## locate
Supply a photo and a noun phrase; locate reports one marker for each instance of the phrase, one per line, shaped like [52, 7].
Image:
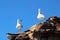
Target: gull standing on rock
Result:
[19, 26]
[40, 15]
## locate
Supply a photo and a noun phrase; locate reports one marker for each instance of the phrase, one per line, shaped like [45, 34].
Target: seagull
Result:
[40, 16]
[19, 26]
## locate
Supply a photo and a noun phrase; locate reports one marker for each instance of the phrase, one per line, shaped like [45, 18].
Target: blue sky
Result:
[26, 10]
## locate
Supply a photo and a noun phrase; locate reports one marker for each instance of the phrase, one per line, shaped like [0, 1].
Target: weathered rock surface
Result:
[49, 30]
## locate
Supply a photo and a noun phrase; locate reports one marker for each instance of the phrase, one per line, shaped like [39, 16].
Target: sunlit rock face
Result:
[48, 30]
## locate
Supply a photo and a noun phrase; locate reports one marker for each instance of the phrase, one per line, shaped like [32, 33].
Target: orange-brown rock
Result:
[48, 30]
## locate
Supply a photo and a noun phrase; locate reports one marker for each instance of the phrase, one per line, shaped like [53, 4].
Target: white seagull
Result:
[40, 16]
[18, 26]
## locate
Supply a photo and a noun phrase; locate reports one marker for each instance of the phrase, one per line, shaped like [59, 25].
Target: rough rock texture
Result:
[48, 30]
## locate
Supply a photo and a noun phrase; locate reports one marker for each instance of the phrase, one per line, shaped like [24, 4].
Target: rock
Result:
[42, 31]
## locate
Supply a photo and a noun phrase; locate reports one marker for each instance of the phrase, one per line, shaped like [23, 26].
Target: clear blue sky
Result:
[26, 10]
